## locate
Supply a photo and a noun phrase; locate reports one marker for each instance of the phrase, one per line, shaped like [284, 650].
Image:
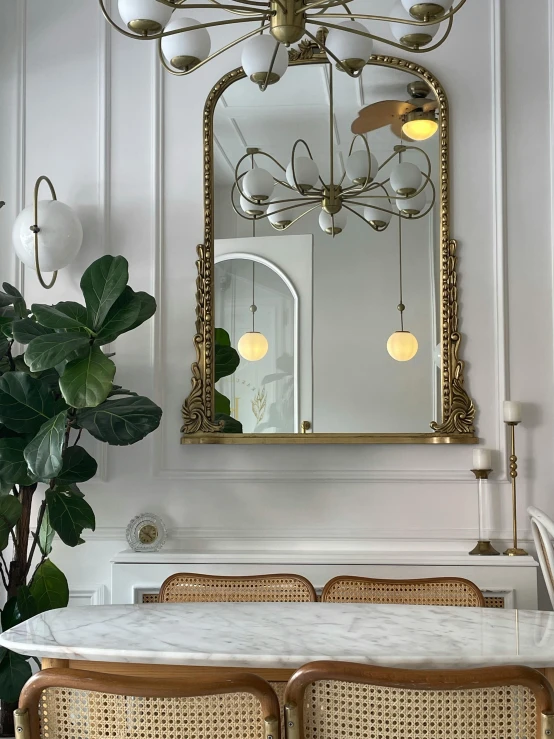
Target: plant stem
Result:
[9, 356]
[18, 566]
[41, 513]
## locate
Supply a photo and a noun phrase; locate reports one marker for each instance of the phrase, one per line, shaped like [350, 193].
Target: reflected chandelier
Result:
[302, 179]
[184, 44]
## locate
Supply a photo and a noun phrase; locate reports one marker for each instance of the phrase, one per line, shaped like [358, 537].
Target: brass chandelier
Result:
[184, 44]
[404, 194]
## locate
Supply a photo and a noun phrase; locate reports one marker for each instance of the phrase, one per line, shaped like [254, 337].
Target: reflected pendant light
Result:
[402, 345]
[253, 345]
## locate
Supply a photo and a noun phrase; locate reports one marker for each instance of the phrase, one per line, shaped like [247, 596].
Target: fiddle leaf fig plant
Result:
[227, 360]
[59, 386]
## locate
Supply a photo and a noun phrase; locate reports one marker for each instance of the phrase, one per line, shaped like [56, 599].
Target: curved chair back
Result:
[543, 532]
[325, 700]
[433, 591]
[76, 704]
[188, 587]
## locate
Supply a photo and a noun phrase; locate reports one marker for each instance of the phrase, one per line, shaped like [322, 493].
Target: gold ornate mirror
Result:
[327, 307]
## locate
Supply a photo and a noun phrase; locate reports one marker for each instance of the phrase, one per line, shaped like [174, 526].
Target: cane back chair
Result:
[188, 587]
[543, 533]
[76, 704]
[330, 700]
[433, 591]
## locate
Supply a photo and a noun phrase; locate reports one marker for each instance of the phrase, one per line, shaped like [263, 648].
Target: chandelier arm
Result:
[301, 141]
[242, 11]
[185, 4]
[352, 210]
[367, 181]
[384, 18]
[305, 213]
[264, 85]
[325, 50]
[208, 58]
[380, 39]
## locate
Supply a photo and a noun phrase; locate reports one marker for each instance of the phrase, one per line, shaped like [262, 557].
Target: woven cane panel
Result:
[150, 598]
[341, 710]
[494, 601]
[66, 713]
[407, 593]
[196, 589]
[279, 688]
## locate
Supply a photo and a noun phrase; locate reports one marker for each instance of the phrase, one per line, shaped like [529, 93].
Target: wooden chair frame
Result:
[484, 677]
[429, 580]
[543, 531]
[236, 578]
[27, 722]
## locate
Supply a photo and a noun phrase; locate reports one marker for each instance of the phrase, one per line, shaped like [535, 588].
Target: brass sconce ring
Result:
[36, 229]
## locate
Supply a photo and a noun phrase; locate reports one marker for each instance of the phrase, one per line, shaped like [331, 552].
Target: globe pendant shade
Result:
[185, 50]
[59, 239]
[258, 184]
[412, 206]
[144, 15]
[420, 129]
[377, 218]
[359, 169]
[332, 225]
[411, 35]
[281, 220]
[405, 179]
[253, 346]
[256, 59]
[435, 8]
[402, 346]
[306, 172]
[251, 209]
[348, 47]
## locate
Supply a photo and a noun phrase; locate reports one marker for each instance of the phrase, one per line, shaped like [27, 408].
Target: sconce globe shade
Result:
[252, 346]
[405, 179]
[258, 184]
[280, 220]
[402, 346]
[408, 35]
[412, 206]
[59, 239]
[420, 129]
[350, 47]
[306, 172]
[256, 57]
[251, 209]
[332, 225]
[377, 218]
[431, 7]
[359, 170]
[185, 50]
[136, 13]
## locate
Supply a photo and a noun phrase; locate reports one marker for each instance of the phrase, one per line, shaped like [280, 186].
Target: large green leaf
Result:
[25, 402]
[51, 317]
[222, 403]
[26, 603]
[86, 381]
[102, 284]
[74, 310]
[147, 309]
[49, 587]
[44, 452]
[121, 316]
[45, 352]
[45, 535]
[10, 511]
[15, 670]
[28, 329]
[227, 360]
[222, 337]
[13, 467]
[69, 515]
[121, 422]
[10, 614]
[5, 300]
[19, 304]
[230, 425]
[78, 465]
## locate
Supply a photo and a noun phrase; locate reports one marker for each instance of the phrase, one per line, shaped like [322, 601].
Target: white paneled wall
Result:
[123, 145]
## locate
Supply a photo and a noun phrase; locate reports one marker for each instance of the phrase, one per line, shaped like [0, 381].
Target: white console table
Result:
[509, 582]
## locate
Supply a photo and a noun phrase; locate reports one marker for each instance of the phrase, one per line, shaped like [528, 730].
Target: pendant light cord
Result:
[401, 304]
[253, 308]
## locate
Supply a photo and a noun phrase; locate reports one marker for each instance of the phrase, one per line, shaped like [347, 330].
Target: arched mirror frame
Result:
[458, 410]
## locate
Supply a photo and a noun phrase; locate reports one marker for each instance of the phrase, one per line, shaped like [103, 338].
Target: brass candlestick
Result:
[483, 548]
[514, 551]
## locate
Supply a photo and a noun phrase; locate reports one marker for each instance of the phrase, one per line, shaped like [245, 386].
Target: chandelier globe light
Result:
[412, 206]
[264, 60]
[378, 218]
[351, 48]
[302, 173]
[361, 168]
[258, 184]
[402, 346]
[250, 208]
[279, 219]
[332, 224]
[184, 44]
[406, 179]
[186, 50]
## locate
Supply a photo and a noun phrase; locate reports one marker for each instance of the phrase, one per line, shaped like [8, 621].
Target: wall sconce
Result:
[47, 235]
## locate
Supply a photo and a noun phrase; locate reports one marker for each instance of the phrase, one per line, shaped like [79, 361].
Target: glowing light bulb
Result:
[402, 346]
[253, 346]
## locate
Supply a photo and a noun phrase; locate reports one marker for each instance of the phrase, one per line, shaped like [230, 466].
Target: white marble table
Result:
[276, 638]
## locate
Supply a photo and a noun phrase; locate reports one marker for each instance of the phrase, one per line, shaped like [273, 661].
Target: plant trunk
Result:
[17, 577]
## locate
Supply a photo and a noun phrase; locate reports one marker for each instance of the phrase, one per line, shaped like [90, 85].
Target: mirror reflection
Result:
[327, 253]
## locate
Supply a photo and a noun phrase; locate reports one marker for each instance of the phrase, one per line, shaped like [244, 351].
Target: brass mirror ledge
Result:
[458, 408]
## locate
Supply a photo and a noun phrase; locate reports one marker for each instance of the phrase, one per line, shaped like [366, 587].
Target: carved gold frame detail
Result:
[458, 410]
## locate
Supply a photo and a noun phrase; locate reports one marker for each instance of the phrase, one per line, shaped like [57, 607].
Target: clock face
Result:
[146, 533]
